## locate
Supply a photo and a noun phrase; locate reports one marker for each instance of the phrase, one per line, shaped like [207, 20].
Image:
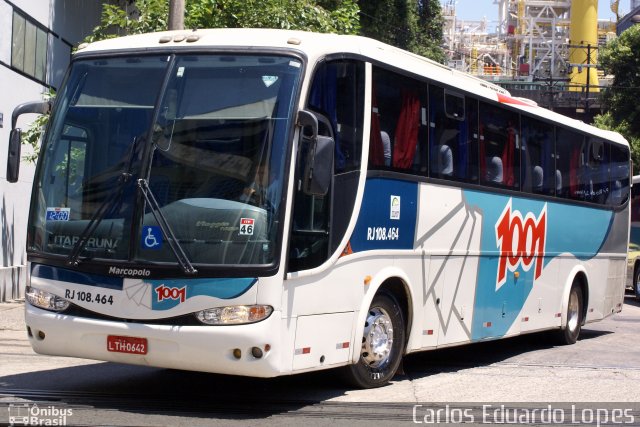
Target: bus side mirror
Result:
[13, 156]
[318, 166]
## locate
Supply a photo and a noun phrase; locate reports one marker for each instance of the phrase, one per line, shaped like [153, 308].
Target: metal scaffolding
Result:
[529, 42]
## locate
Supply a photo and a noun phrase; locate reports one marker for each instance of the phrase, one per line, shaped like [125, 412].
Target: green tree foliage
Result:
[31, 137]
[386, 20]
[342, 18]
[414, 25]
[620, 58]
[428, 40]
[143, 16]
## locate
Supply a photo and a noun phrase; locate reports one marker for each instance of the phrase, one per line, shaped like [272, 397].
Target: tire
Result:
[382, 344]
[636, 283]
[569, 334]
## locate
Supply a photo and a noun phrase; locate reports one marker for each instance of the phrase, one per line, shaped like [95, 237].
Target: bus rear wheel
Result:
[382, 344]
[569, 334]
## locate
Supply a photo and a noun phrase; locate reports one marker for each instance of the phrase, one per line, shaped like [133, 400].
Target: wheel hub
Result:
[572, 312]
[377, 340]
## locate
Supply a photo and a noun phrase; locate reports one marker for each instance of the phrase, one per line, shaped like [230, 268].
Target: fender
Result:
[371, 290]
[567, 289]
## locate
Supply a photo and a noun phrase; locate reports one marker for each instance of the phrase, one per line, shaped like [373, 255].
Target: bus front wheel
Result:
[569, 334]
[382, 344]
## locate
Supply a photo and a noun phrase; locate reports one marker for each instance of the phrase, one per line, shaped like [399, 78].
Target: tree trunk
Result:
[176, 14]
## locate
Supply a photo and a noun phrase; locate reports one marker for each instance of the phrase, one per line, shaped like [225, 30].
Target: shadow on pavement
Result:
[140, 389]
[484, 353]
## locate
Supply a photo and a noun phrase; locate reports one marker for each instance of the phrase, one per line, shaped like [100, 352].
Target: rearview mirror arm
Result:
[37, 107]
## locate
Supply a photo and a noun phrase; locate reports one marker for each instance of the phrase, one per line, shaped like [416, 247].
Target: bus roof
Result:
[317, 45]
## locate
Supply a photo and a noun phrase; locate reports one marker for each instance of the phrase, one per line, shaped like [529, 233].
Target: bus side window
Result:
[597, 170]
[398, 111]
[538, 163]
[453, 134]
[569, 162]
[499, 146]
[619, 176]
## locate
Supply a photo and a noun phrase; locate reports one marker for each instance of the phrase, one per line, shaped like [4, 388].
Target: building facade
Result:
[36, 41]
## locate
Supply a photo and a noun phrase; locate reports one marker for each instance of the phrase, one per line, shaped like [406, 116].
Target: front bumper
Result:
[195, 348]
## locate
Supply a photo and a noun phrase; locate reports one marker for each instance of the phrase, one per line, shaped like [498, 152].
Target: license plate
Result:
[131, 345]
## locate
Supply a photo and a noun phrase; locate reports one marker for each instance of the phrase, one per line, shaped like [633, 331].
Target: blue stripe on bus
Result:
[71, 276]
[382, 225]
[223, 288]
[569, 229]
[580, 231]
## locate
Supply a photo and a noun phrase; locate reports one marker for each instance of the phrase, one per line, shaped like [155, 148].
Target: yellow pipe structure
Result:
[474, 60]
[583, 39]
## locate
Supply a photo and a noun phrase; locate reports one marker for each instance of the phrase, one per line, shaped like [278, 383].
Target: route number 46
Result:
[246, 226]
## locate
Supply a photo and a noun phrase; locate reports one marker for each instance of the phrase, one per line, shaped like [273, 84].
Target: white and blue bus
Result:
[266, 202]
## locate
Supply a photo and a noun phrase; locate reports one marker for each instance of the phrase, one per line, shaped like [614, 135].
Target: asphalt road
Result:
[599, 373]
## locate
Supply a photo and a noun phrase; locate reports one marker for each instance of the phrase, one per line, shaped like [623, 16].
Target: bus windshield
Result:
[207, 134]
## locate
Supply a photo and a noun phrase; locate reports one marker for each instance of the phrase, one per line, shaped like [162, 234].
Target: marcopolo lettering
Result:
[135, 272]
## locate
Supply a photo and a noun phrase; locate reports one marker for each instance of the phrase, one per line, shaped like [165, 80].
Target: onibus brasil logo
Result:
[521, 242]
[25, 414]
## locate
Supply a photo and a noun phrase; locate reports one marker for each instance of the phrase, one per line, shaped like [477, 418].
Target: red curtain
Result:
[406, 138]
[508, 176]
[376, 151]
[574, 166]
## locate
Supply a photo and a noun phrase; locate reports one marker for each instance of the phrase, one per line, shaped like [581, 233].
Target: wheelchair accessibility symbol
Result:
[151, 237]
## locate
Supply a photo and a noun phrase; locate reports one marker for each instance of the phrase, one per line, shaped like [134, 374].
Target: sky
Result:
[477, 9]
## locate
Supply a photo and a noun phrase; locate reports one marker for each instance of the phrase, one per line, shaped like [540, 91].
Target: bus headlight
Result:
[234, 315]
[46, 300]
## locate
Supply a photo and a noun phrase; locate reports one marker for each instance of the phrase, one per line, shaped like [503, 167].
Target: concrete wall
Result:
[68, 21]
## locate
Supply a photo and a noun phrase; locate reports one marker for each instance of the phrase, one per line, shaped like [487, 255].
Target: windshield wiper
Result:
[106, 207]
[175, 246]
